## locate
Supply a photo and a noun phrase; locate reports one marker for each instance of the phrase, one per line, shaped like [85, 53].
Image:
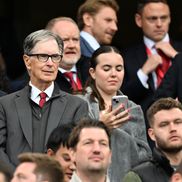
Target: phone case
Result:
[118, 100]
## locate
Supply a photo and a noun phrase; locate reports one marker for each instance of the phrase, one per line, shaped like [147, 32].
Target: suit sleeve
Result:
[3, 139]
[82, 110]
[171, 82]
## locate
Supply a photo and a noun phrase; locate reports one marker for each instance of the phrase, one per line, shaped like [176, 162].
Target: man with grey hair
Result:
[28, 116]
[73, 69]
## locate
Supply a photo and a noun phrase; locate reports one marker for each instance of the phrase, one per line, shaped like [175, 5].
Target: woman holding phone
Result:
[128, 142]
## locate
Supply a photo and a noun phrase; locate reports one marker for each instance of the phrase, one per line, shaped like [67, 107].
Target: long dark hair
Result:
[93, 63]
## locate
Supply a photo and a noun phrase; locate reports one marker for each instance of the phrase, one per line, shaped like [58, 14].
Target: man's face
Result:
[24, 173]
[176, 177]
[166, 130]
[70, 35]
[65, 158]
[92, 151]
[154, 21]
[42, 73]
[103, 25]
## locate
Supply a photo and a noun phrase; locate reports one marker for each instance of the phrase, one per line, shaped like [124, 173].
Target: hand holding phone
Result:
[118, 100]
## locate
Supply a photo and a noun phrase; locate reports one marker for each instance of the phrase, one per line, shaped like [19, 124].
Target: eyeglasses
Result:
[56, 58]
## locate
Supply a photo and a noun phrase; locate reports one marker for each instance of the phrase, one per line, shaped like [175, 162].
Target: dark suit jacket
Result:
[171, 85]
[134, 58]
[82, 71]
[86, 49]
[16, 120]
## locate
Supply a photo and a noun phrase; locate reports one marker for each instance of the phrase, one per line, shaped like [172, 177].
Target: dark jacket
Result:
[171, 85]
[158, 169]
[82, 71]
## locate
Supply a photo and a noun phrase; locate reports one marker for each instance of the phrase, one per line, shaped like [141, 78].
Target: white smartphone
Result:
[118, 100]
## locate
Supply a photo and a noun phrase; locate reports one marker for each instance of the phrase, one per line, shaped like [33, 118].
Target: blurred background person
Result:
[73, 69]
[146, 63]
[97, 20]
[177, 176]
[58, 147]
[5, 173]
[36, 167]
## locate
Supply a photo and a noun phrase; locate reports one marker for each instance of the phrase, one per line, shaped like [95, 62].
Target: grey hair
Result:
[41, 35]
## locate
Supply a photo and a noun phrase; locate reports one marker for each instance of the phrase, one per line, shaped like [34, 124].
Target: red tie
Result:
[162, 68]
[75, 85]
[42, 101]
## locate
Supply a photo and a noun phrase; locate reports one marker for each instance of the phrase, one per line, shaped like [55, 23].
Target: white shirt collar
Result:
[150, 43]
[73, 69]
[90, 39]
[34, 95]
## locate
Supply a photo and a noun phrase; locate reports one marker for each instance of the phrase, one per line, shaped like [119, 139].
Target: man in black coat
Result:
[171, 85]
[165, 118]
[143, 60]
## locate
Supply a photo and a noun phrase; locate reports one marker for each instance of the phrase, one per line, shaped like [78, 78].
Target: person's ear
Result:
[50, 152]
[151, 134]
[138, 20]
[88, 19]
[92, 73]
[27, 61]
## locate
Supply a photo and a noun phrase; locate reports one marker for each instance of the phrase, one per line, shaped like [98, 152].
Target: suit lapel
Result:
[87, 46]
[56, 112]
[25, 114]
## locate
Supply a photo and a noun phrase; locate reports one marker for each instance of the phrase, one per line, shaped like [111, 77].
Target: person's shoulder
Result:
[131, 177]
[10, 95]
[2, 93]
[73, 98]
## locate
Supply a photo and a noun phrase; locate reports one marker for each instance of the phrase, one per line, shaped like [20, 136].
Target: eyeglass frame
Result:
[48, 56]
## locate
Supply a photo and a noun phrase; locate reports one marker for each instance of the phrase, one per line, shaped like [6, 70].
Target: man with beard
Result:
[91, 145]
[73, 69]
[165, 119]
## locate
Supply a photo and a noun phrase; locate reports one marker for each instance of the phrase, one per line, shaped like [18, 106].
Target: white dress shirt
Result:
[34, 95]
[151, 46]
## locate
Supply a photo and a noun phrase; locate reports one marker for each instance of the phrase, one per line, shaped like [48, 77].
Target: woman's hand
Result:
[114, 118]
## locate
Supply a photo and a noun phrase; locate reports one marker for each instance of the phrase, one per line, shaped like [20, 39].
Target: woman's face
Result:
[109, 72]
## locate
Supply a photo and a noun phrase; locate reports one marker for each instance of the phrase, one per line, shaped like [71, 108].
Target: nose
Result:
[113, 72]
[96, 147]
[159, 22]
[72, 166]
[173, 126]
[49, 61]
[70, 43]
[113, 26]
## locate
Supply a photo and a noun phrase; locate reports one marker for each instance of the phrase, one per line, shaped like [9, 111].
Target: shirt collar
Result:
[90, 39]
[150, 43]
[73, 69]
[35, 91]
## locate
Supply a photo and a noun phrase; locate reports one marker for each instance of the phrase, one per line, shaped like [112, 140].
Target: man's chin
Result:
[71, 60]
